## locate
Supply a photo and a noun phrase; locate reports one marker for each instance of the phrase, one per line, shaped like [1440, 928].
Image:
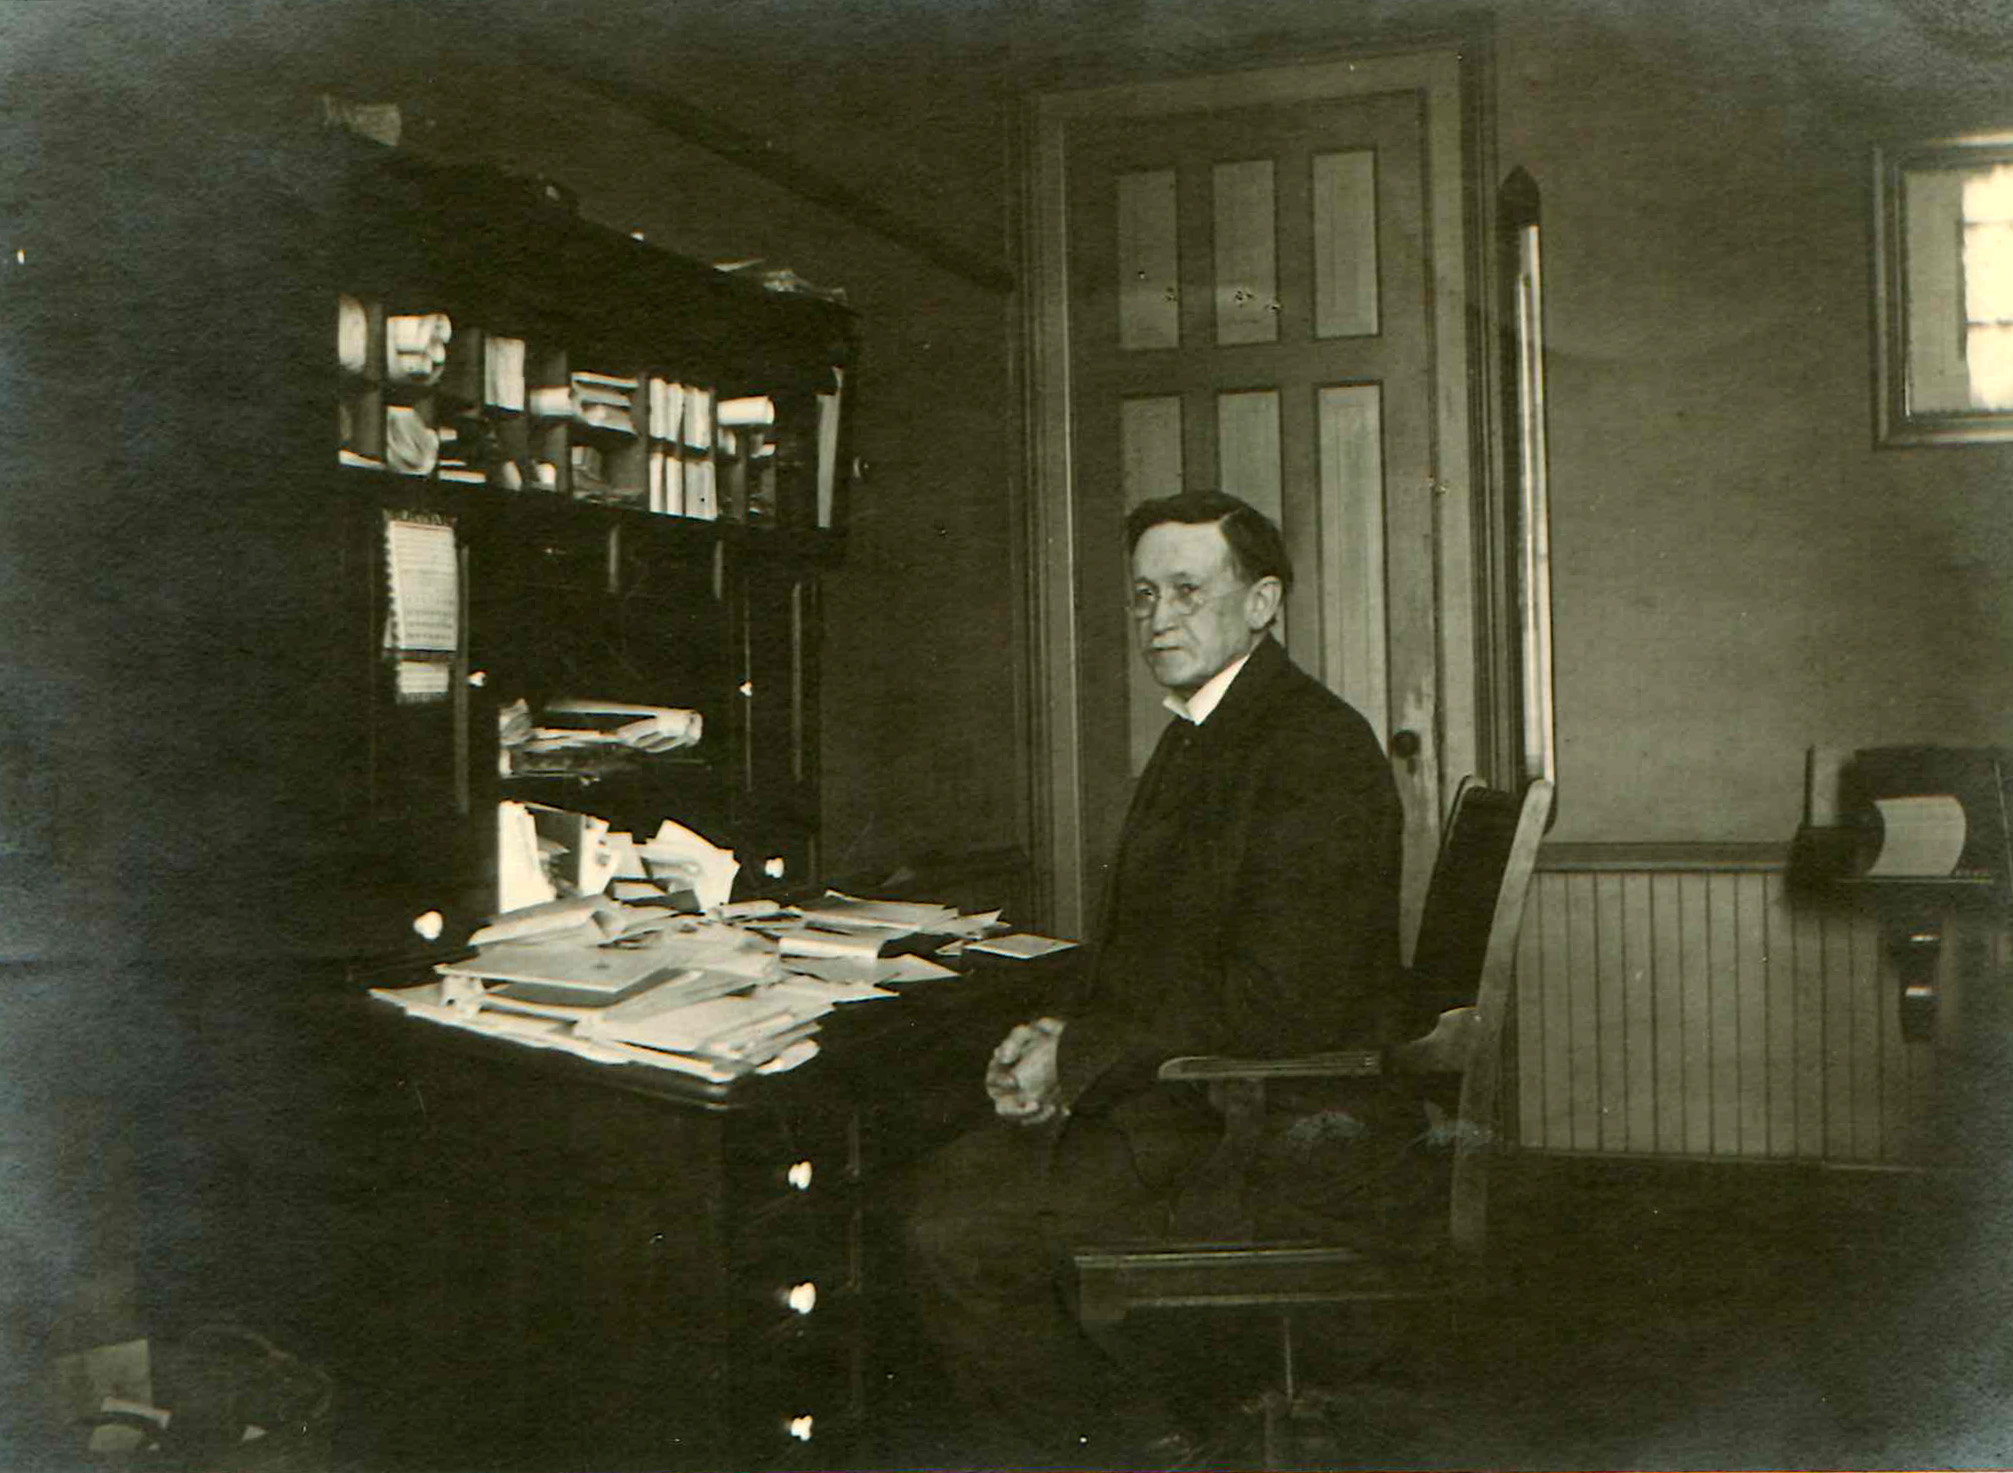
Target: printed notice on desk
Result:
[1022, 946]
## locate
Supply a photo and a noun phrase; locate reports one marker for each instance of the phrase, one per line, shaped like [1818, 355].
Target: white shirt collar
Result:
[1210, 695]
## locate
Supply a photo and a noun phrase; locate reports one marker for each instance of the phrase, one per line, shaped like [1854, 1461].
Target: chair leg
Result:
[1278, 1402]
[1274, 1407]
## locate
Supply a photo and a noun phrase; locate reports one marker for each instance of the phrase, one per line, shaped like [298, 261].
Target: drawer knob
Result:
[802, 1298]
[799, 1176]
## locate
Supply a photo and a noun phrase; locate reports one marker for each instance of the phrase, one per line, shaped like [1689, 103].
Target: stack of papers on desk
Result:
[616, 724]
[588, 969]
[877, 971]
[427, 1002]
[900, 916]
[718, 996]
[746, 1028]
[806, 938]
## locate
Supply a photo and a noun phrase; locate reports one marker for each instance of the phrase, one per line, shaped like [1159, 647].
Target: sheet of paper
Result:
[969, 927]
[750, 910]
[689, 941]
[842, 969]
[1021, 945]
[503, 372]
[422, 682]
[811, 941]
[828, 445]
[549, 917]
[425, 577]
[709, 870]
[833, 991]
[633, 1018]
[801, 1051]
[521, 882]
[915, 969]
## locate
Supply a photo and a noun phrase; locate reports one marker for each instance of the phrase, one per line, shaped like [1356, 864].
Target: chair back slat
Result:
[1461, 898]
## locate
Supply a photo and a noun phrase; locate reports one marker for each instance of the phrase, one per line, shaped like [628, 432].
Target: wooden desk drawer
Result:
[795, 1269]
[778, 1155]
[799, 1401]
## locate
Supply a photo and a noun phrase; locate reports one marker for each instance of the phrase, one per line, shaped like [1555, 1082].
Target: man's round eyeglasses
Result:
[1183, 600]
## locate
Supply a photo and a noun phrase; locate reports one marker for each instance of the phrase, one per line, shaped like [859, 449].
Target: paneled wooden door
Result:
[1251, 274]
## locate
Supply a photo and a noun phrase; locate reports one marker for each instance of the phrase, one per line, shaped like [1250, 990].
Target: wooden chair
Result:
[1466, 950]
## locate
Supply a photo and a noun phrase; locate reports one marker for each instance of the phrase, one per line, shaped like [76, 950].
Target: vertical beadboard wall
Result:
[1681, 1003]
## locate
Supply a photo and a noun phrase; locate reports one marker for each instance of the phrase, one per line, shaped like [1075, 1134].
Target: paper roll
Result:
[1919, 837]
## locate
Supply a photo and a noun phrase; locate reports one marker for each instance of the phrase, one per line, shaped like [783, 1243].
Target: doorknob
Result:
[1405, 744]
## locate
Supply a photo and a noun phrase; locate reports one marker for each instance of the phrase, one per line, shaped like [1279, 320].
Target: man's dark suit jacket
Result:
[1253, 904]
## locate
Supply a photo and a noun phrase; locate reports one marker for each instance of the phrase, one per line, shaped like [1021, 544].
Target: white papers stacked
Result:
[568, 963]
[415, 347]
[616, 723]
[666, 405]
[904, 916]
[603, 400]
[735, 991]
[426, 1002]
[801, 939]
[748, 1027]
[503, 372]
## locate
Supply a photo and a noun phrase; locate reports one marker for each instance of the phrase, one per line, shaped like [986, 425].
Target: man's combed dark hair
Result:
[1256, 548]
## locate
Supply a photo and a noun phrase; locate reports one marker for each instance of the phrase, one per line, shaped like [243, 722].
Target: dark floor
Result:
[1658, 1316]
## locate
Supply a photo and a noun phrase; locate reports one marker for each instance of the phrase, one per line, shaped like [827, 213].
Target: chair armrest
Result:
[1443, 1051]
[1347, 1064]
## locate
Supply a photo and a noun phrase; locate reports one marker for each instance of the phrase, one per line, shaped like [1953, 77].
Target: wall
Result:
[1738, 574]
[1695, 1006]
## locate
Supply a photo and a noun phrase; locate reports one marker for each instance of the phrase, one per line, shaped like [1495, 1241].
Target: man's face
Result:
[1191, 613]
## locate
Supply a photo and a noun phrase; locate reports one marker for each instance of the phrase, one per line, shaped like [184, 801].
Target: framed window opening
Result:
[1943, 291]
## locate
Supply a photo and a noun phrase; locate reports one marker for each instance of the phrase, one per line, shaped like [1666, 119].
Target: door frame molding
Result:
[1454, 79]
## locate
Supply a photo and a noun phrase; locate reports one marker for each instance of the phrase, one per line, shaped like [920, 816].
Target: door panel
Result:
[1249, 308]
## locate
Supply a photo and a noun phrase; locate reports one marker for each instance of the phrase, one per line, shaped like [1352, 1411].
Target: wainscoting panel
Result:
[1682, 1005]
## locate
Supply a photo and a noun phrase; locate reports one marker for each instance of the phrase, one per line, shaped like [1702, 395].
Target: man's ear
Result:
[1261, 604]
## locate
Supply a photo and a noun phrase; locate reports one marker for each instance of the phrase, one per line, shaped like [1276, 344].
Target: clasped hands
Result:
[1022, 1077]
